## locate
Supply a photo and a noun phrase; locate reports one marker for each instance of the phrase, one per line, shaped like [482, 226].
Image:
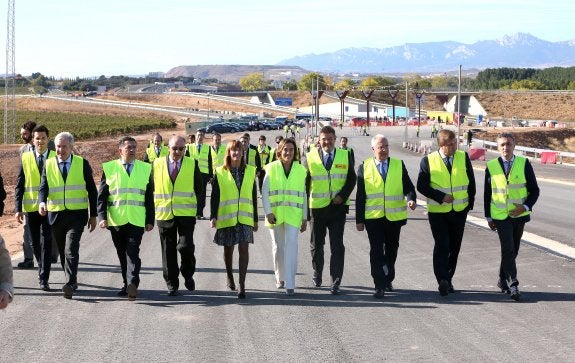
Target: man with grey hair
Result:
[67, 192]
[381, 208]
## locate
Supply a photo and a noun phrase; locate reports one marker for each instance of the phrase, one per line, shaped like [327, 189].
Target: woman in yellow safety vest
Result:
[285, 205]
[234, 210]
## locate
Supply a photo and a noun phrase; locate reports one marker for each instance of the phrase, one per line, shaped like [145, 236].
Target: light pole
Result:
[342, 96]
[418, 94]
[393, 92]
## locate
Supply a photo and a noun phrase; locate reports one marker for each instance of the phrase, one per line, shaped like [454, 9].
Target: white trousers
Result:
[284, 252]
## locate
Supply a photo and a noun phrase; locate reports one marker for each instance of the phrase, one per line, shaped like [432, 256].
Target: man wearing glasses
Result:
[126, 209]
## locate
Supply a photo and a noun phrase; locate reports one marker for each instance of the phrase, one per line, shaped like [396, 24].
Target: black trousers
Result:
[510, 232]
[384, 242]
[127, 240]
[67, 232]
[447, 230]
[171, 245]
[330, 218]
[201, 199]
[40, 233]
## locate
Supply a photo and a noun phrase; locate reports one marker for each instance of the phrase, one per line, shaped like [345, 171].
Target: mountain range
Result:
[520, 50]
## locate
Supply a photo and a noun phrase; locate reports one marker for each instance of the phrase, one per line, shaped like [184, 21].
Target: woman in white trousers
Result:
[285, 206]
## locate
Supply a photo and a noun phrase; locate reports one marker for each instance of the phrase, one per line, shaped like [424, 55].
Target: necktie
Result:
[40, 162]
[174, 173]
[382, 170]
[507, 165]
[328, 161]
[127, 166]
[448, 163]
[157, 153]
[64, 170]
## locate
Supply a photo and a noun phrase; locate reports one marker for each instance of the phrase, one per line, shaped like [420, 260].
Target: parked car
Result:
[270, 125]
[221, 128]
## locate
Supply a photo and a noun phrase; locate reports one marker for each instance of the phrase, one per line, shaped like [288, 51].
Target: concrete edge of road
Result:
[546, 244]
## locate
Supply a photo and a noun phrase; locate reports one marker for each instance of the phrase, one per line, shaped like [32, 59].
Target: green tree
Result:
[527, 84]
[290, 85]
[305, 82]
[571, 86]
[252, 82]
[345, 84]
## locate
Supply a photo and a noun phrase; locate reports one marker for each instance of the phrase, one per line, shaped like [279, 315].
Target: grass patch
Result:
[87, 126]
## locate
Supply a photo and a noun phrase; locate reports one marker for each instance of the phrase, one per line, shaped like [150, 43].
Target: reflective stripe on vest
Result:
[384, 198]
[71, 194]
[31, 180]
[287, 194]
[174, 199]
[126, 202]
[236, 206]
[455, 183]
[325, 185]
[507, 191]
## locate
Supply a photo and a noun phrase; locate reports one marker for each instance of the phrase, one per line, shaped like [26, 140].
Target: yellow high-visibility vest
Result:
[287, 195]
[265, 155]
[218, 156]
[201, 156]
[236, 206]
[31, 180]
[506, 191]
[151, 152]
[384, 198]
[455, 183]
[127, 192]
[72, 194]
[174, 199]
[326, 184]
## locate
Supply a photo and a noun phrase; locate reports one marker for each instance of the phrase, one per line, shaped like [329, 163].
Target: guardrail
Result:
[527, 151]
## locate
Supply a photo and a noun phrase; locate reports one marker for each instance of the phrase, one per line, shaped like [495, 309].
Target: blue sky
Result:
[69, 38]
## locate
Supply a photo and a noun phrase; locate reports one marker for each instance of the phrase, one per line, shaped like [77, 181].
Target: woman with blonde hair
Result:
[285, 205]
[234, 210]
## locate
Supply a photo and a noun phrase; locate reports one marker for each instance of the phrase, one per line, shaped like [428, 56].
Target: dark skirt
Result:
[231, 236]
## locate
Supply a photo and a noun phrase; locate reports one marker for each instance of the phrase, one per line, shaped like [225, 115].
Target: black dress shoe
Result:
[443, 287]
[241, 295]
[123, 292]
[379, 294]
[132, 291]
[231, 284]
[54, 259]
[44, 286]
[450, 289]
[334, 289]
[173, 293]
[190, 284]
[503, 286]
[26, 264]
[389, 287]
[68, 291]
[316, 281]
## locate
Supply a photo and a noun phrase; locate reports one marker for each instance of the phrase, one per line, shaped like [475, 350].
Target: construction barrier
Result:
[548, 157]
[477, 154]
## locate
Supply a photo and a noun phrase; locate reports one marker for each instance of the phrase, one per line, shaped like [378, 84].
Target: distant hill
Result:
[520, 50]
[233, 73]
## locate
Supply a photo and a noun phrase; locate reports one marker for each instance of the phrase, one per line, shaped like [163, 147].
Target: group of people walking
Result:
[57, 193]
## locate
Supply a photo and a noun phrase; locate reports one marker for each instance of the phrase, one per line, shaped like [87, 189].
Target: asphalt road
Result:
[413, 323]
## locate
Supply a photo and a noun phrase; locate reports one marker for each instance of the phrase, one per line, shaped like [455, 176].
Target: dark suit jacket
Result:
[408, 191]
[104, 193]
[2, 196]
[210, 166]
[532, 190]
[81, 214]
[424, 183]
[350, 179]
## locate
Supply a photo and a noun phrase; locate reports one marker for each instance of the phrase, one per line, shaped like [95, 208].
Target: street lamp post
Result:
[393, 92]
[342, 96]
[418, 95]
